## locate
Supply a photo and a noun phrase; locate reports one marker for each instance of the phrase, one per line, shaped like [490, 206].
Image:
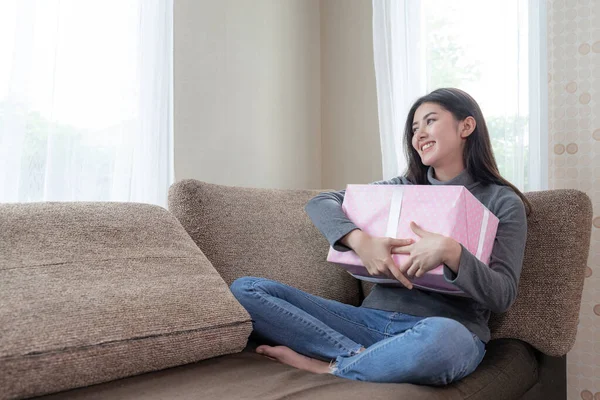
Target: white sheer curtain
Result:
[86, 100]
[494, 50]
[396, 47]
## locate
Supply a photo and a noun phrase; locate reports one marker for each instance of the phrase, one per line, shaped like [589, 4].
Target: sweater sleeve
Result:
[495, 286]
[325, 211]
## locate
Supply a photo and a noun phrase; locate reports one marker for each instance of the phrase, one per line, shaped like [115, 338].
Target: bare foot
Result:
[288, 356]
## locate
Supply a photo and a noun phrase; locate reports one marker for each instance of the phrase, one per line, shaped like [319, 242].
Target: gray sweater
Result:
[491, 288]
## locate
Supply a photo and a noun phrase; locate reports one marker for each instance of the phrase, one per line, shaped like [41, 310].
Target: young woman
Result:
[401, 334]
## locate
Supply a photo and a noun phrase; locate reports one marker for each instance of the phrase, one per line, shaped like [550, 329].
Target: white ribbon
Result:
[482, 231]
[394, 216]
[394, 219]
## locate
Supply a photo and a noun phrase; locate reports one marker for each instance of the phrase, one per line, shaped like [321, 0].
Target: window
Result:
[491, 49]
[85, 100]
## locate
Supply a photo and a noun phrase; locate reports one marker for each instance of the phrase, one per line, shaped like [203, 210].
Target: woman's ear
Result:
[467, 127]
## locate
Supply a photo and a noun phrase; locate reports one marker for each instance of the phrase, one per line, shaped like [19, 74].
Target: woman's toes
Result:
[265, 351]
[261, 349]
[288, 356]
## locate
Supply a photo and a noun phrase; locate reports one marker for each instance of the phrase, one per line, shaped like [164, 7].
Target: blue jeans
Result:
[400, 348]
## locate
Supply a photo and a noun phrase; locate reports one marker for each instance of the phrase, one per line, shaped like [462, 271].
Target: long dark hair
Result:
[478, 156]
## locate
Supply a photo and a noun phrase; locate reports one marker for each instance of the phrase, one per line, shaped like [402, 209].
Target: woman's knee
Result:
[454, 348]
[446, 336]
[247, 285]
[242, 286]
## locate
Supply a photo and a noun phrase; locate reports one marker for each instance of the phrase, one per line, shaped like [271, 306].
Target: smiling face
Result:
[440, 139]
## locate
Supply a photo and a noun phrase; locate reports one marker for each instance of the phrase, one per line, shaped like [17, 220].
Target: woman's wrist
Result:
[353, 239]
[452, 253]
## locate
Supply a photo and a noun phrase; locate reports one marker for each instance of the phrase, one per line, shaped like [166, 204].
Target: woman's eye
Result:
[430, 120]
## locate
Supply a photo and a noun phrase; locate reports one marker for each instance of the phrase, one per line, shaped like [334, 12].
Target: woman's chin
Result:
[426, 161]
[429, 159]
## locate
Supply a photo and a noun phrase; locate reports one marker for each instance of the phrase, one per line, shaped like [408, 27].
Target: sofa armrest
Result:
[552, 379]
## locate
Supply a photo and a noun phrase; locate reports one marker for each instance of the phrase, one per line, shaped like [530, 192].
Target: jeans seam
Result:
[345, 319]
[331, 312]
[388, 325]
[459, 376]
[261, 298]
[363, 353]
[470, 365]
[371, 348]
[462, 374]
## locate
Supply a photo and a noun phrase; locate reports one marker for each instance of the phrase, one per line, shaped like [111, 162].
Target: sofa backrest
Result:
[246, 231]
[260, 232]
[546, 311]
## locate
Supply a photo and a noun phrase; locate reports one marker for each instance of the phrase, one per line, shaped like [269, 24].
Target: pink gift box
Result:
[387, 210]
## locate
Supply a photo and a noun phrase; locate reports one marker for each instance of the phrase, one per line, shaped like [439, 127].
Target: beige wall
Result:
[574, 160]
[275, 93]
[247, 92]
[349, 122]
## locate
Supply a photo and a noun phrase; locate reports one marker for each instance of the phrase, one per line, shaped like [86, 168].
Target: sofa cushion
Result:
[260, 232]
[92, 292]
[507, 372]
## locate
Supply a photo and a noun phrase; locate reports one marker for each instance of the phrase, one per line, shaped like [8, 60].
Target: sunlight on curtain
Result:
[400, 79]
[484, 48]
[86, 100]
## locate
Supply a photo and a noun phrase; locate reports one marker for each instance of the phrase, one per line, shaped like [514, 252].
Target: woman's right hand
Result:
[376, 254]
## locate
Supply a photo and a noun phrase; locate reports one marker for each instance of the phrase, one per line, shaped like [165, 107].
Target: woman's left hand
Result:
[425, 254]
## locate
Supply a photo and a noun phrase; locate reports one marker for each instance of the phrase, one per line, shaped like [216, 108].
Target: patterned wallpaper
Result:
[574, 159]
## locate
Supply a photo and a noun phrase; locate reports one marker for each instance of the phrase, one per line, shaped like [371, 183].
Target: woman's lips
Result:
[430, 145]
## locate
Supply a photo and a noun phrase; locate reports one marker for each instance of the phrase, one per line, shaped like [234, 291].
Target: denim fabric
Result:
[400, 348]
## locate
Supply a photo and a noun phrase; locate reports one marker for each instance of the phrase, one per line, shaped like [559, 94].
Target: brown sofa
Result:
[130, 301]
